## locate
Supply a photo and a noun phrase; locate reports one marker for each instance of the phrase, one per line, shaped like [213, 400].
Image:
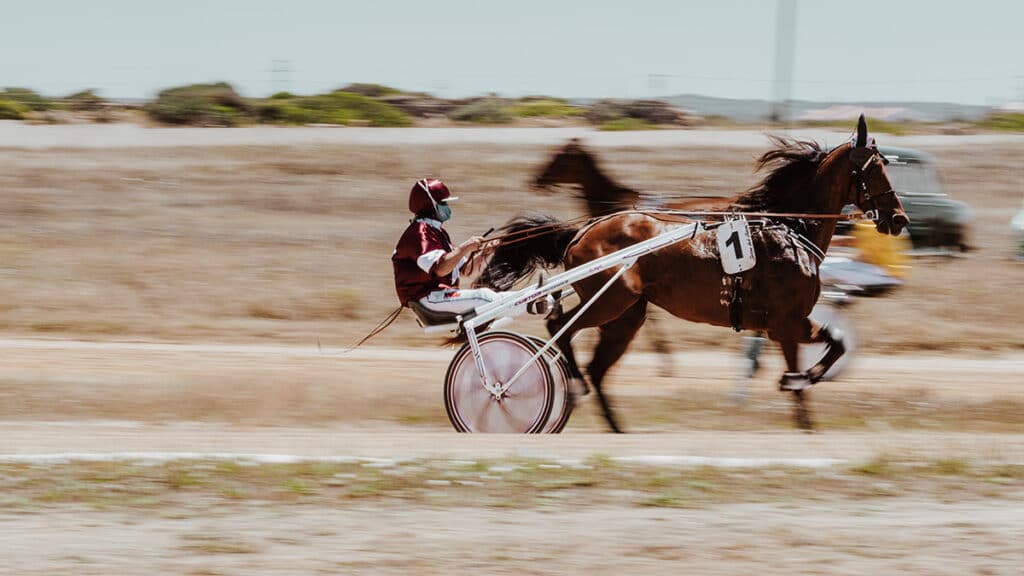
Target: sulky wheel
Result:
[561, 407]
[829, 315]
[523, 408]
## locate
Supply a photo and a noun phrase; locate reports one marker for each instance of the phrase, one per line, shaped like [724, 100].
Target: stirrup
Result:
[794, 382]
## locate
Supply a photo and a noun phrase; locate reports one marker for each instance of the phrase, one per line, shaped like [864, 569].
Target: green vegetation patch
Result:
[201, 105]
[545, 108]
[85, 101]
[513, 483]
[28, 98]
[484, 111]
[1010, 122]
[622, 124]
[11, 110]
[343, 108]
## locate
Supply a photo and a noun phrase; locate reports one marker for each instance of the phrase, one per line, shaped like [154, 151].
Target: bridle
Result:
[859, 182]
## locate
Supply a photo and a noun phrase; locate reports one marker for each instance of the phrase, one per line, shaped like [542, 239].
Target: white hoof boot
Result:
[794, 381]
[578, 389]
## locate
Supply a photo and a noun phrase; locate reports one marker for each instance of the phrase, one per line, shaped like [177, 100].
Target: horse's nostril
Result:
[900, 220]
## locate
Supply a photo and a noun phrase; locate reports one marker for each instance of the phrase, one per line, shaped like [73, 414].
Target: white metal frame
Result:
[513, 302]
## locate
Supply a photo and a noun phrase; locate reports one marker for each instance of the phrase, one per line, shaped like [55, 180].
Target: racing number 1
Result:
[734, 241]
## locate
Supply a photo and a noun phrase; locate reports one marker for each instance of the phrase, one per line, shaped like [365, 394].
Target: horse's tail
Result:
[532, 240]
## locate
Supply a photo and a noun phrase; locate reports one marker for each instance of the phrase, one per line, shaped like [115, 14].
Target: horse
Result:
[574, 165]
[687, 278]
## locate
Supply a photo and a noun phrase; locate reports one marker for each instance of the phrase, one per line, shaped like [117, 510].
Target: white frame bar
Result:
[624, 259]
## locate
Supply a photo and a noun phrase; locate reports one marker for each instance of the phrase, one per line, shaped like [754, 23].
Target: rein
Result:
[537, 231]
[806, 216]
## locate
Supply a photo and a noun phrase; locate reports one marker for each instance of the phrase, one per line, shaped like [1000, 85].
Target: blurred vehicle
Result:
[936, 220]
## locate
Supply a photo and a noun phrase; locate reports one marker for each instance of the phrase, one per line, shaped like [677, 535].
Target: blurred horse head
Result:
[574, 165]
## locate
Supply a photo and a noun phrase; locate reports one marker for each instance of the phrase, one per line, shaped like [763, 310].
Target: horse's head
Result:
[870, 188]
[564, 168]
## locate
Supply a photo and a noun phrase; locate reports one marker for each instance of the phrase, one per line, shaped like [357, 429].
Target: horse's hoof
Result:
[794, 382]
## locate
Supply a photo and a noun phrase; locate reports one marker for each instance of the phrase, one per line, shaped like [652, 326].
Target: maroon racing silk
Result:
[411, 282]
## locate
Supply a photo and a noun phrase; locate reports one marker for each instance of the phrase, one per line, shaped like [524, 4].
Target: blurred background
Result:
[200, 202]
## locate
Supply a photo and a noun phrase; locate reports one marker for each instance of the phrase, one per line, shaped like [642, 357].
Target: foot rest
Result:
[452, 328]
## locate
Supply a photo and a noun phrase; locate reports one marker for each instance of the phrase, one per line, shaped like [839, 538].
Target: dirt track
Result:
[899, 533]
[890, 536]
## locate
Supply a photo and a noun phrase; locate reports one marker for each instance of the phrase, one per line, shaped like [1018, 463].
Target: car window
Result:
[913, 177]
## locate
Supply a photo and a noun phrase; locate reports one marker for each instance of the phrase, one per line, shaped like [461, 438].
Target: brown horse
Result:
[574, 165]
[687, 278]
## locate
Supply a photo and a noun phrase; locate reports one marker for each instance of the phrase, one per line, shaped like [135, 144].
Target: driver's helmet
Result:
[425, 195]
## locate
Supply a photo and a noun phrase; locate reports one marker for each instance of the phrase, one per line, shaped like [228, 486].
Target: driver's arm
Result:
[447, 263]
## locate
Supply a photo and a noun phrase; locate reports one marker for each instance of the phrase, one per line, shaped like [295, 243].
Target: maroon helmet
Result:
[425, 195]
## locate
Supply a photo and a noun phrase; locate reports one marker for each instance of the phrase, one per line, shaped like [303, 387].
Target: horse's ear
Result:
[862, 132]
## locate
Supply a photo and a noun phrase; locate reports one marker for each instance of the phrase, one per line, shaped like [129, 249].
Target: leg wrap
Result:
[835, 348]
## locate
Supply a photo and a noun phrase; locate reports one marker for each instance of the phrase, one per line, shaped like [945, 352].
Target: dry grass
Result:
[288, 244]
[198, 485]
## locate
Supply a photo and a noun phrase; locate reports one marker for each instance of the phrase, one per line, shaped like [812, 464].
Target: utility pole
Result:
[785, 44]
[280, 76]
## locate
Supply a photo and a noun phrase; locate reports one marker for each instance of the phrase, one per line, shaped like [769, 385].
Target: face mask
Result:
[444, 212]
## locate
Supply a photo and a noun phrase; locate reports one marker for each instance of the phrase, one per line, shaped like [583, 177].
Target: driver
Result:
[428, 265]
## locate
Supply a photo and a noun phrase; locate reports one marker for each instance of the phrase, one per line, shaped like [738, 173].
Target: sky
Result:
[854, 51]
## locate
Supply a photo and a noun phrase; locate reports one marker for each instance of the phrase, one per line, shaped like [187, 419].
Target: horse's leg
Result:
[793, 380]
[834, 347]
[752, 346]
[660, 344]
[578, 386]
[615, 338]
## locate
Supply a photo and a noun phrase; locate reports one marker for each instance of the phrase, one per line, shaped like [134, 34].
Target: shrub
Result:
[200, 104]
[621, 124]
[647, 111]
[370, 90]
[85, 101]
[10, 110]
[545, 108]
[280, 111]
[26, 97]
[1011, 122]
[334, 108]
[485, 111]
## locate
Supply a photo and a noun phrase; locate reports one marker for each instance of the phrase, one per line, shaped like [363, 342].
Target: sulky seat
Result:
[428, 317]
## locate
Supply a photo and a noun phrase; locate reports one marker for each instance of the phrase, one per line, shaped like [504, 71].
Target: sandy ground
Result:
[901, 533]
[894, 536]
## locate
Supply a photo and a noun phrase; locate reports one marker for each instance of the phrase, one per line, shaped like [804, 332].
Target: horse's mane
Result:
[793, 164]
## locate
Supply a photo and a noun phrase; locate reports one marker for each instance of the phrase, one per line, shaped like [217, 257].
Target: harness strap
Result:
[806, 243]
[736, 303]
